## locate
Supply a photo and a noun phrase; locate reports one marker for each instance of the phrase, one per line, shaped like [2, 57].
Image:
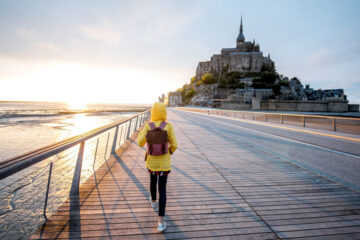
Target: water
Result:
[25, 126]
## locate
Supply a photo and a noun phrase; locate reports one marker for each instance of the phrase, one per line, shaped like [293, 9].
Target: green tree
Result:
[230, 78]
[269, 77]
[296, 79]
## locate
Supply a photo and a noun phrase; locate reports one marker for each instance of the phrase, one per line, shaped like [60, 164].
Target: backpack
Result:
[157, 139]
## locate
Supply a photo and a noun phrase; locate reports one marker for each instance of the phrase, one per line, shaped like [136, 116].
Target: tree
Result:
[231, 77]
[269, 77]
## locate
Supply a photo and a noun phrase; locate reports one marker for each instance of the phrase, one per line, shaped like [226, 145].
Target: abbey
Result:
[243, 78]
[246, 57]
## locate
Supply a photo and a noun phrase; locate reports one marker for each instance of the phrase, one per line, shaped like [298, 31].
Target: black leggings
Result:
[162, 191]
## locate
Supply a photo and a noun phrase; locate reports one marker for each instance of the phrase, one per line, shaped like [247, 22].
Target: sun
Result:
[77, 105]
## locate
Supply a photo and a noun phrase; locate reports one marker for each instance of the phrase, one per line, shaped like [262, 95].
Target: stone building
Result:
[245, 57]
[173, 99]
[162, 98]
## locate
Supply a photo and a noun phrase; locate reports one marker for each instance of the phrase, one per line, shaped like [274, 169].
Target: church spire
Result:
[240, 39]
[241, 26]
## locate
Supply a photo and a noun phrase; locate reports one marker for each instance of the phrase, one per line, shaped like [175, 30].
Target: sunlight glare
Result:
[80, 84]
[77, 105]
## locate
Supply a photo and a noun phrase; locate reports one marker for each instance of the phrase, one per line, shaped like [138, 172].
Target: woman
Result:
[159, 166]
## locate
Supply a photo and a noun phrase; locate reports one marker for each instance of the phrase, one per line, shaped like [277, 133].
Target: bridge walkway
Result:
[219, 187]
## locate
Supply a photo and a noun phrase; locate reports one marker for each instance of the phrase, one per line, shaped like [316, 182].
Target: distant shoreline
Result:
[125, 104]
[91, 111]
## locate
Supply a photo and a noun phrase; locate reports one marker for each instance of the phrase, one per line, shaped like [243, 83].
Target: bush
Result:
[237, 85]
[206, 78]
[187, 95]
[284, 83]
[268, 68]
[269, 77]
[251, 75]
[231, 77]
[231, 80]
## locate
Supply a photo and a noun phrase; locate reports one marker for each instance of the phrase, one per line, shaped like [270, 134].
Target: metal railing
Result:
[340, 124]
[37, 183]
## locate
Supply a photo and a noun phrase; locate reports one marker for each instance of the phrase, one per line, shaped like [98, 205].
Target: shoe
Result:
[153, 204]
[161, 227]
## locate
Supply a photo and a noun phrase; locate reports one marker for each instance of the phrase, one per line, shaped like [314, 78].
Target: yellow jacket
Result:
[162, 162]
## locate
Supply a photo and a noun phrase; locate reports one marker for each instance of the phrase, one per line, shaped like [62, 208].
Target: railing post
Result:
[129, 128]
[96, 149]
[141, 119]
[136, 124]
[121, 132]
[333, 124]
[303, 121]
[125, 131]
[253, 115]
[282, 119]
[107, 144]
[265, 117]
[47, 191]
[77, 172]
[113, 149]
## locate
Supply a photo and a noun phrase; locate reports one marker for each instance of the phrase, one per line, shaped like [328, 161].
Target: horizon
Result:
[85, 105]
[132, 52]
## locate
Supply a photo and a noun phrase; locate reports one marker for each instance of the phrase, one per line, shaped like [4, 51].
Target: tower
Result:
[240, 39]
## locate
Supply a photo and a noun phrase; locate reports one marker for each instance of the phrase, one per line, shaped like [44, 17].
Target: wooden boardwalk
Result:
[219, 188]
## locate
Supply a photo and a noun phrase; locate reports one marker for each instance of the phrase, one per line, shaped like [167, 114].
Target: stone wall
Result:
[235, 106]
[305, 106]
[353, 108]
[256, 103]
[203, 67]
[245, 62]
[295, 106]
[223, 93]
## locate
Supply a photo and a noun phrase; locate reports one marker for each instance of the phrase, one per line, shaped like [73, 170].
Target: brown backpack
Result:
[157, 139]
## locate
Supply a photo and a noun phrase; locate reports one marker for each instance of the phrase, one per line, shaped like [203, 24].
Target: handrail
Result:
[35, 190]
[270, 113]
[20, 162]
[340, 124]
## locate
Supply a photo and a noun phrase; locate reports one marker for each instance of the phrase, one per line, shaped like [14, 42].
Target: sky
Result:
[133, 51]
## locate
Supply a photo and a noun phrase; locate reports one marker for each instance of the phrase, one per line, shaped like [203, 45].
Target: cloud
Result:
[104, 33]
[327, 57]
[26, 33]
[137, 33]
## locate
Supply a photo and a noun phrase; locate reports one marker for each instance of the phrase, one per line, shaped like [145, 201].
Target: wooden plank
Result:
[320, 233]
[347, 236]
[172, 232]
